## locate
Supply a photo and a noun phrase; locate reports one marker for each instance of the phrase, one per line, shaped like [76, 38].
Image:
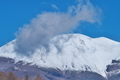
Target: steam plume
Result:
[49, 24]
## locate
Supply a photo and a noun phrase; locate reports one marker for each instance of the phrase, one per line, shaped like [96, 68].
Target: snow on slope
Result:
[71, 52]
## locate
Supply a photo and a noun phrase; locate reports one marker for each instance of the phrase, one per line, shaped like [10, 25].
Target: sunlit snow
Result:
[71, 52]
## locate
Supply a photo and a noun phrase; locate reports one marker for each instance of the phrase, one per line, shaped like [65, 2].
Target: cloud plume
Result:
[54, 6]
[49, 24]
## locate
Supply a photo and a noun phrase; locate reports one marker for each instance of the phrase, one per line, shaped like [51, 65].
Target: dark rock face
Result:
[114, 77]
[21, 69]
[115, 61]
[113, 67]
[113, 70]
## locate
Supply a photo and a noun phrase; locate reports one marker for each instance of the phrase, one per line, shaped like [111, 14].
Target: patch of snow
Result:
[71, 52]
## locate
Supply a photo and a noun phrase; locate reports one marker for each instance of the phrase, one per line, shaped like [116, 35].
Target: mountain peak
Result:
[70, 52]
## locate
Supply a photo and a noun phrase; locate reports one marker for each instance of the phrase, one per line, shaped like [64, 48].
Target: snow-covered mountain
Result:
[71, 52]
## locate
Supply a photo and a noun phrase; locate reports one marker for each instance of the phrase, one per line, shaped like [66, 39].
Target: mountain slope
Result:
[21, 69]
[70, 52]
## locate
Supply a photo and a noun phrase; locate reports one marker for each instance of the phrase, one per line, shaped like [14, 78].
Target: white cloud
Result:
[49, 24]
[54, 6]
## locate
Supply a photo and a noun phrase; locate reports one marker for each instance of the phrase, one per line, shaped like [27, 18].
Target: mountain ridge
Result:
[70, 52]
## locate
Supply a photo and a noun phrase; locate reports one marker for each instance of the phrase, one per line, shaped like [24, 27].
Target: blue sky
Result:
[14, 14]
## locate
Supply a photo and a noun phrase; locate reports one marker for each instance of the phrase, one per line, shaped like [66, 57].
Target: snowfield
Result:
[70, 52]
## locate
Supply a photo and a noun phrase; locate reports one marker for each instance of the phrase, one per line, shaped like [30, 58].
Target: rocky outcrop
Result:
[20, 69]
